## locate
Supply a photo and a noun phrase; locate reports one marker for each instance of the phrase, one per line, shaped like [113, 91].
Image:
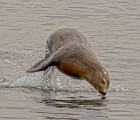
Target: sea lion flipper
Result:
[39, 66]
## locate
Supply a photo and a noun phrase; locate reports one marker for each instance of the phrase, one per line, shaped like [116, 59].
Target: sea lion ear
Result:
[39, 66]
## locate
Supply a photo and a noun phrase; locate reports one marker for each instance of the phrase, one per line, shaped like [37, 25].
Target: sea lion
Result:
[70, 51]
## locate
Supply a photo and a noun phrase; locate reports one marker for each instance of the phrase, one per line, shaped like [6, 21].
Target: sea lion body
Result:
[70, 51]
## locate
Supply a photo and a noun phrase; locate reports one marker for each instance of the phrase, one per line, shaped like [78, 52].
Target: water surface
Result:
[113, 30]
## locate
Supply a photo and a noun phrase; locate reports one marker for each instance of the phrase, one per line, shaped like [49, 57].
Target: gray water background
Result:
[113, 30]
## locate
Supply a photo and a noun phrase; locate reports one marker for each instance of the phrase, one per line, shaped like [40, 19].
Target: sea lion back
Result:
[65, 36]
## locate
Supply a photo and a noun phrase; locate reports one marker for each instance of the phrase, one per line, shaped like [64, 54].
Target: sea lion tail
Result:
[39, 66]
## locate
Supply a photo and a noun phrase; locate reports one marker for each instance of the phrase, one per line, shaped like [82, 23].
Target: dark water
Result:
[113, 30]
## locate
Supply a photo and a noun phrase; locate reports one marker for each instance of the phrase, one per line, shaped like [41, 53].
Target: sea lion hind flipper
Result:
[39, 66]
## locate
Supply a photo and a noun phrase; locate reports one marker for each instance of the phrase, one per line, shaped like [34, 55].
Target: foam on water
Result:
[118, 88]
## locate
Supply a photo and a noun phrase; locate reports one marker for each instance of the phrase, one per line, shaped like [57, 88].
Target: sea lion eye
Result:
[97, 86]
[103, 81]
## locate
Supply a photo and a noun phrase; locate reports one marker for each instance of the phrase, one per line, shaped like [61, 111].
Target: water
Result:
[113, 30]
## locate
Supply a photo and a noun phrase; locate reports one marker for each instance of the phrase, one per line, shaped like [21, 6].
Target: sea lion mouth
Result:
[103, 93]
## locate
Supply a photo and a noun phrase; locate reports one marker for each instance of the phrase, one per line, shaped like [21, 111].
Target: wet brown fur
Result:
[71, 53]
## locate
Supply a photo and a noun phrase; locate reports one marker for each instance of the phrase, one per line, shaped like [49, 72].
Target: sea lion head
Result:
[101, 81]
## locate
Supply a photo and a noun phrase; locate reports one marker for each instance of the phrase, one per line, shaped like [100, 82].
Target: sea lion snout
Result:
[100, 80]
[102, 88]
